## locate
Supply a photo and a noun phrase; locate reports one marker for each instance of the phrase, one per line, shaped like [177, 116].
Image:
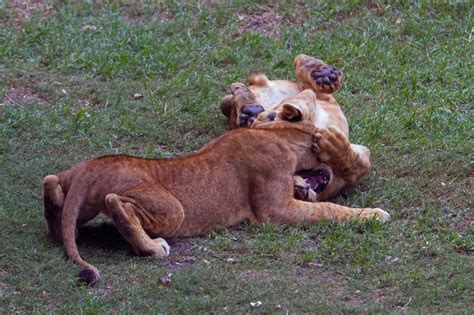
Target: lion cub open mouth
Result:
[316, 179]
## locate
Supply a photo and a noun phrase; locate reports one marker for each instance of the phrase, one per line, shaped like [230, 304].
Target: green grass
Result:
[67, 95]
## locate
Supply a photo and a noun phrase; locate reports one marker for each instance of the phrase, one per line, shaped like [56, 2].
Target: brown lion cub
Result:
[311, 100]
[244, 174]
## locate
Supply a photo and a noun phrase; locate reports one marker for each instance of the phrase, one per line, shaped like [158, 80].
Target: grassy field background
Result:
[68, 73]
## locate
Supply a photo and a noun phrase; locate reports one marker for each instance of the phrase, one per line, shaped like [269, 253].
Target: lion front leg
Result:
[245, 108]
[297, 211]
[313, 212]
[279, 207]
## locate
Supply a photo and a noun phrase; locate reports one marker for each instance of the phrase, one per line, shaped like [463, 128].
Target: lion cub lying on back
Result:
[244, 174]
[265, 100]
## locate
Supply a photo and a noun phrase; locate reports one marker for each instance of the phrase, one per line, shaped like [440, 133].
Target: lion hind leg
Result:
[318, 76]
[142, 211]
[53, 202]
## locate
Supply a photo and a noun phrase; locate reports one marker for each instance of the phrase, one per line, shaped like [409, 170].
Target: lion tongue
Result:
[317, 179]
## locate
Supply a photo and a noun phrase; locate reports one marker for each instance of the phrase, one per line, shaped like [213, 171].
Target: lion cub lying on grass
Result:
[265, 100]
[244, 174]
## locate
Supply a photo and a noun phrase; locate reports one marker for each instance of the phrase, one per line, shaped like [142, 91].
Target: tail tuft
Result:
[89, 275]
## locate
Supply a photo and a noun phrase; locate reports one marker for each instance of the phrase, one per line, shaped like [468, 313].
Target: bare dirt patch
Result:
[23, 10]
[181, 253]
[5, 289]
[268, 23]
[21, 95]
[452, 193]
[373, 7]
[463, 223]
[139, 11]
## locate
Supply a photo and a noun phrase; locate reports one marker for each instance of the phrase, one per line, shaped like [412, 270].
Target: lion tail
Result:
[72, 206]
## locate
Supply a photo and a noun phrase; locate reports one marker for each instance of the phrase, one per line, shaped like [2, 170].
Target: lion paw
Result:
[89, 275]
[327, 78]
[317, 75]
[249, 113]
[378, 213]
[330, 144]
[246, 105]
[162, 249]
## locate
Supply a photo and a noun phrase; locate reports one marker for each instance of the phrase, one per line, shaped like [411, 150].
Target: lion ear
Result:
[290, 113]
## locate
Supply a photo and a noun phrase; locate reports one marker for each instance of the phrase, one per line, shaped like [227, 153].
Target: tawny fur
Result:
[244, 174]
[284, 100]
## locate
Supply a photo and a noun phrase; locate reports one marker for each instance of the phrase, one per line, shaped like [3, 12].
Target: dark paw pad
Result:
[249, 113]
[327, 77]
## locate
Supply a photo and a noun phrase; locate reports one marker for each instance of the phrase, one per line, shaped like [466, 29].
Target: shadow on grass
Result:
[103, 236]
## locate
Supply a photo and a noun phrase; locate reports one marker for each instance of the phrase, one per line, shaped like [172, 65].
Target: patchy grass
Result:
[68, 73]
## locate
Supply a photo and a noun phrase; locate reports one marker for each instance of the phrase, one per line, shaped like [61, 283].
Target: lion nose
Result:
[271, 116]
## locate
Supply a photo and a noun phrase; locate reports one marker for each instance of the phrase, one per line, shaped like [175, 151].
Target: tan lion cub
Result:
[244, 174]
[265, 100]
